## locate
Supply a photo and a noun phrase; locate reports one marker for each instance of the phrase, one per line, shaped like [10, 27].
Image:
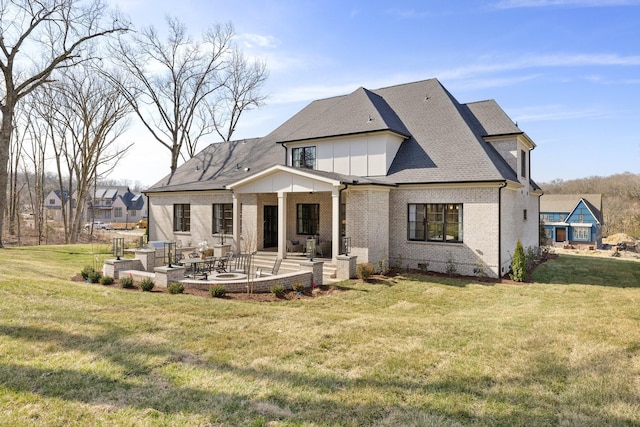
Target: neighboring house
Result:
[53, 204]
[116, 205]
[406, 172]
[572, 219]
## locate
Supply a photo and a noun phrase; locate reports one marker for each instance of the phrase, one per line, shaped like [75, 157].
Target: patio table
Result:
[199, 265]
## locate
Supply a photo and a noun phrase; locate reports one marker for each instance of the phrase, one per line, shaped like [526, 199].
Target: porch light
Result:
[311, 248]
[346, 244]
[118, 247]
[169, 252]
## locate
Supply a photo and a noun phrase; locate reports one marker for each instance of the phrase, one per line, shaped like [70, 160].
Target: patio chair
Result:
[324, 249]
[242, 263]
[265, 271]
[179, 258]
[294, 246]
[222, 264]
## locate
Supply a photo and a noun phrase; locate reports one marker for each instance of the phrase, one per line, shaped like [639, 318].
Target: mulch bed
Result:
[319, 291]
[323, 290]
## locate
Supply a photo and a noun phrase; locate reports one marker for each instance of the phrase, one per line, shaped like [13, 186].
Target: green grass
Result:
[410, 351]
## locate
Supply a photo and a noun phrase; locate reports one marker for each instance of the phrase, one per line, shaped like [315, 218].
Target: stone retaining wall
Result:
[259, 284]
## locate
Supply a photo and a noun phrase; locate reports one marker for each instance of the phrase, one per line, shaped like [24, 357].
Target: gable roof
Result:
[443, 139]
[567, 203]
[362, 111]
[445, 146]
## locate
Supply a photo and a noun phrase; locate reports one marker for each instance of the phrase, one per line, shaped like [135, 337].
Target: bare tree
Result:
[242, 90]
[85, 115]
[33, 158]
[36, 38]
[181, 85]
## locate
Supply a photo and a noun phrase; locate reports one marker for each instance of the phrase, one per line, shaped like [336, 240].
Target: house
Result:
[53, 204]
[116, 204]
[572, 219]
[406, 174]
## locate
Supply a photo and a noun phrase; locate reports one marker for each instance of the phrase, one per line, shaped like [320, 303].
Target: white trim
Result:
[586, 205]
[281, 168]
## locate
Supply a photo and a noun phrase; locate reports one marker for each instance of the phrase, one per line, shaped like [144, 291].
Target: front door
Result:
[561, 234]
[270, 226]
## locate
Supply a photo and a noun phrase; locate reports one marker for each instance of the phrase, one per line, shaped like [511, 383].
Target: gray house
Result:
[406, 172]
[117, 204]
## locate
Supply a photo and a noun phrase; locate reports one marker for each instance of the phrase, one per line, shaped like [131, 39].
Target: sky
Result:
[567, 71]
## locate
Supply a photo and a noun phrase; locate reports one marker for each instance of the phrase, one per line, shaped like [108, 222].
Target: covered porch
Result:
[282, 207]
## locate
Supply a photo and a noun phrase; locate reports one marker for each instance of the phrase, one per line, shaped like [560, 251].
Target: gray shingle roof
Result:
[359, 112]
[445, 146]
[221, 164]
[443, 138]
[566, 203]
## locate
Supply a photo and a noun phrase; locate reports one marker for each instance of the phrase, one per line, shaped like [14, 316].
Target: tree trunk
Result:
[6, 129]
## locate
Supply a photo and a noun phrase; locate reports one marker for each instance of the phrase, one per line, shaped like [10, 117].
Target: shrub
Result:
[277, 290]
[147, 284]
[207, 253]
[531, 256]
[479, 268]
[106, 280]
[175, 288]
[383, 265]
[86, 271]
[450, 268]
[297, 286]
[398, 262]
[519, 264]
[94, 276]
[424, 267]
[126, 282]
[364, 270]
[217, 291]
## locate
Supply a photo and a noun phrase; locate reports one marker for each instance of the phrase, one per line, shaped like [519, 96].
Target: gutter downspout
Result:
[539, 220]
[148, 203]
[503, 185]
[340, 216]
[285, 154]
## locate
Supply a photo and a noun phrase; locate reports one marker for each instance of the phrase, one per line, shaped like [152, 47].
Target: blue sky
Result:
[567, 71]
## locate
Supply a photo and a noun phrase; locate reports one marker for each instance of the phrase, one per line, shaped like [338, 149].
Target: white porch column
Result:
[282, 221]
[236, 222]
[335, 224]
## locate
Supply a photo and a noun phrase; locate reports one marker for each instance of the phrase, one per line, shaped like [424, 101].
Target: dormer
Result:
[515, 149]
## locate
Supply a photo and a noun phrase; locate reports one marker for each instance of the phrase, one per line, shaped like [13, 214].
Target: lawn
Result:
[411, 350]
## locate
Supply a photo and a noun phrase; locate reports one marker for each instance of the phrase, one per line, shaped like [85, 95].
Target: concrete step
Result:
[291, 264]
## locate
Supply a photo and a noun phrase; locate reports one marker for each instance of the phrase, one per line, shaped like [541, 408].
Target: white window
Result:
[581, 233]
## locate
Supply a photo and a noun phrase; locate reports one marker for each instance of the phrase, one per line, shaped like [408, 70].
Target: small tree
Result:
[519, 264]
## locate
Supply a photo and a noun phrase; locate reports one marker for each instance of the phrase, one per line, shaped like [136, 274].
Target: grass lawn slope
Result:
[411, 350]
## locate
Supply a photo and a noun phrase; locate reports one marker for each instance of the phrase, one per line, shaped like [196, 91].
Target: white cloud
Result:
[311, 92]
[406, 13]
[545, 113]
[251, 40]
[492, 65]
[485, 83]
[512, 4]
[596, 78]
